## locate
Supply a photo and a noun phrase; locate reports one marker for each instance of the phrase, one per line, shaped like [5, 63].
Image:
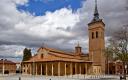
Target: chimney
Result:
[78, 49]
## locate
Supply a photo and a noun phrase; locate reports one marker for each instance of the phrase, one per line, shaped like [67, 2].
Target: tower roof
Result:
[96, 13]
[78, 44]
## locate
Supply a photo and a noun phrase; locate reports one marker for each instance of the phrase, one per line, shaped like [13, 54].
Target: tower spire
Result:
[96, 14]
[78, 44]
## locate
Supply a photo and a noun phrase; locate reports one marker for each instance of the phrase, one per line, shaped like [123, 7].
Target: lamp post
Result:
[3, 66]
[33, 66]
[20, 67]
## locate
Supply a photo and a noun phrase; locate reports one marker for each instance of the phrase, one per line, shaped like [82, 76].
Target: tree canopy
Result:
[118, 45]
[26, 54]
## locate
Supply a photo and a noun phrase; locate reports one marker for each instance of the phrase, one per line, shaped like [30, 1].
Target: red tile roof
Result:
[56, 55]
[6, 61]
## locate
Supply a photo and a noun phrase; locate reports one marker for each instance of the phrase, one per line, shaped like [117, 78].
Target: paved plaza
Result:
[74, 77]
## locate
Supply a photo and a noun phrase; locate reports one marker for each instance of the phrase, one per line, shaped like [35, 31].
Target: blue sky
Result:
[40, 7]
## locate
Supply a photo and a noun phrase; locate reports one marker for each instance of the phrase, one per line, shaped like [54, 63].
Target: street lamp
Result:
[3, 66]
[33, 63]
[33, 66]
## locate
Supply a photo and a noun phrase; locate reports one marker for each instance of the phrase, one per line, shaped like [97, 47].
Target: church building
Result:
[52, 62]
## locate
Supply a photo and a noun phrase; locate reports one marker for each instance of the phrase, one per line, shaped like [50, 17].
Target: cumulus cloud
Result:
[11, 51]
[61, 29]
[50, 25]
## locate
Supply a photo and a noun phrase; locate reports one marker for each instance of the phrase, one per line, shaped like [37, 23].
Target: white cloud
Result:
[19, 53]
[46, 26]
[11, 50]
[21, 2]
[23, 23]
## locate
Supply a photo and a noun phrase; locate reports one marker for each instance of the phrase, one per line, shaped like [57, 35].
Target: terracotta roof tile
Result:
[56, 55]
[6, 62]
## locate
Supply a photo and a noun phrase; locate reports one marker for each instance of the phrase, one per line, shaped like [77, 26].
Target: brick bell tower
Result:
[97, 43]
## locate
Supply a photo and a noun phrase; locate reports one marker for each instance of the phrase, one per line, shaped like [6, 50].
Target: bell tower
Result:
[78, 49]
[96, 30]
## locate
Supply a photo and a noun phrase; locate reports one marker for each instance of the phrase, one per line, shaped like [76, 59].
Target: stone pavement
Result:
[71, 77]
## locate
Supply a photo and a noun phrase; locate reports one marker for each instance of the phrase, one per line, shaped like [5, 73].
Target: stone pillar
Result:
[30, 68]
[65, 69]
[52, 69]
[46, 69]
[86, 70]
[80, 68]
[25, 69]
[75, 68]
[41, 68]
[58, 68]
[71, 68]
[33, 68]
[36, 68]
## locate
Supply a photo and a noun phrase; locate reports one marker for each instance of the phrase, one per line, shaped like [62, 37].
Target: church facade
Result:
[48, 61]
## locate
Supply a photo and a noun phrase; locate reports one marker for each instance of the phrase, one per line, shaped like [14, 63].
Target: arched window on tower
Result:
[96, 34]
[92, 35]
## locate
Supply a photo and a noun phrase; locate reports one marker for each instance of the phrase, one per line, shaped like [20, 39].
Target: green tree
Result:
[108, 57]
[119, 45]
[26, 54]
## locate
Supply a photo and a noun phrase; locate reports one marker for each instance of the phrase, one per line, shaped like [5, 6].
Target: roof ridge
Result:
[65, 57]
[58, 51]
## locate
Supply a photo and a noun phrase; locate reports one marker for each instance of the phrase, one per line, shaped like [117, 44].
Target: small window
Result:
[92, 35]
[42, 55]
[96, 34]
